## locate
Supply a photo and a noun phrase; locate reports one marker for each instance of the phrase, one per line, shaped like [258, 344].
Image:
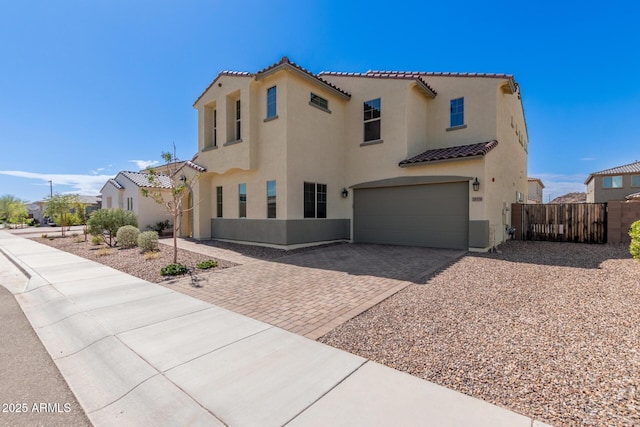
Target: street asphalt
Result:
[32, 390]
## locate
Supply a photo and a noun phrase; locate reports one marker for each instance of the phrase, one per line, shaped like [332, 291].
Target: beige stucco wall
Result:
[315, 150]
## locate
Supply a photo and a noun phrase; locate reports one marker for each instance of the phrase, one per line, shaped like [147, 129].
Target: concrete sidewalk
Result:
[136, 353]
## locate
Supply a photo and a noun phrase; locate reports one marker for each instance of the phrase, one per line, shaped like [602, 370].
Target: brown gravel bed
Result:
[131, 261]
[548, 330]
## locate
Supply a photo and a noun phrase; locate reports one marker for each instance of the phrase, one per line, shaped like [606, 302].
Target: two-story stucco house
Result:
[409, 158]
[613, 184]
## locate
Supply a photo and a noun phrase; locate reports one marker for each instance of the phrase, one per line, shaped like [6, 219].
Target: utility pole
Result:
[51, 188]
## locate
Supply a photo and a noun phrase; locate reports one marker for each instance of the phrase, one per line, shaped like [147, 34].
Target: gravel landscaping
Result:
[548, 330]
[131, 261]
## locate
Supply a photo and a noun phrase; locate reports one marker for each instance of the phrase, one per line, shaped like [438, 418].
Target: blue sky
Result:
[89, 88]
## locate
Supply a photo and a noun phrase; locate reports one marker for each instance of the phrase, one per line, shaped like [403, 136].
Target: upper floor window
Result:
[129, 203]
[372, 112]
[315, 200]
[457, 112]
[271, 103]
[612, 181]
[271, 199]
[635, 180]
[242, 197]
[319, 101]
[238, 135]
[219, 202]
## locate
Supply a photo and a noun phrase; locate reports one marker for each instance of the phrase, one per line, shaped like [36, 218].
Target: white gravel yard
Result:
[549, 330]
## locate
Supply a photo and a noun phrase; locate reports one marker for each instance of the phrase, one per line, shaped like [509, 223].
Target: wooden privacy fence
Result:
[571, 222]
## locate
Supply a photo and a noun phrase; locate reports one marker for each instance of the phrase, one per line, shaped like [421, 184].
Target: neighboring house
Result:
[535, 191]
[124, 192]
[409, 158]
[38, 209]
[613, 184]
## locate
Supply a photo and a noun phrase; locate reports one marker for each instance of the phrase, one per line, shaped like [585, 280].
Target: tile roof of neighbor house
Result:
[142, 180]
[116, 184]
[450, 153]
[630, 168]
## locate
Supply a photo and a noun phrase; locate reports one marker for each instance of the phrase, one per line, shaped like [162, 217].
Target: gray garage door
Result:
[433, 215]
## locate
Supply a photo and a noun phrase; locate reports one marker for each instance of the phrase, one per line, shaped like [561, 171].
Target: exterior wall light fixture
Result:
[345, 193]
[476, 184]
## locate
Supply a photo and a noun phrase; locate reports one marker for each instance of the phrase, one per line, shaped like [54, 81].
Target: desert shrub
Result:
[205, 265]
[44, 235]
[96, 240]
[148, 241]
[174, 270]
[127, 236]
[105, 223]
[104, 252]
[151, 255]
[634, 232]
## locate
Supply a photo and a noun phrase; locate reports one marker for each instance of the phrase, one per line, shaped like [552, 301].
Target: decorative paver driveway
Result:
[311, 293]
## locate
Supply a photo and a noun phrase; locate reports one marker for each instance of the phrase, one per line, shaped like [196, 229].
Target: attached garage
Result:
[414, 211]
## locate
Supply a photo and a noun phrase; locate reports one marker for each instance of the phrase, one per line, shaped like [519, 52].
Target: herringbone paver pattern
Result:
[313, 292]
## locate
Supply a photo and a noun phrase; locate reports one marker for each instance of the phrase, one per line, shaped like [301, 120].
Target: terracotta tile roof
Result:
[285, 62]
[385, 75]
[116, 184]
[142, 180]
[220, 74]
[450, 153]
[195, 166]
[512, 85]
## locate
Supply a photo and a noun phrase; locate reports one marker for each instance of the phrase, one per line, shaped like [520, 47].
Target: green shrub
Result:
[205, 265]
[148, 241]
[96, 240]
[174, 270]
[127, 236]
[634, 232]
[106, 222]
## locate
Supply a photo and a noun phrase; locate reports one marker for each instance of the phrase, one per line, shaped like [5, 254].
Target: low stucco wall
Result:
[280, 232]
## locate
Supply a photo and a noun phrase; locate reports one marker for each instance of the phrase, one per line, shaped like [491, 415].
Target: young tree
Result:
[59, 206]
[12, 210]
[173, 199]
[83, 217]
[7, 204]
